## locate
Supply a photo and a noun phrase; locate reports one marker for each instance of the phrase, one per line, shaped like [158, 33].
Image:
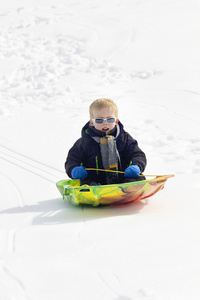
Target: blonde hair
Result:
[103, 103]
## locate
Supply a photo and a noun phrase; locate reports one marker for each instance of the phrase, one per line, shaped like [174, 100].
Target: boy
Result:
[105, 145]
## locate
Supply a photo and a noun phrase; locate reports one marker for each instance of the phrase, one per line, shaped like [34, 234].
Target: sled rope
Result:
[103, 170]
[108, 170]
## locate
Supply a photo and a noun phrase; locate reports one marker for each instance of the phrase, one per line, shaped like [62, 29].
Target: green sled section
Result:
[113, 194]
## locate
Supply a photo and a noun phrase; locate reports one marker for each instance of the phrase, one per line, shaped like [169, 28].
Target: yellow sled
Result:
[110, 194]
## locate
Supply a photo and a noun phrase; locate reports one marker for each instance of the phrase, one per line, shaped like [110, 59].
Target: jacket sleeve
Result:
[75, 157]
[134, 155]
[138, 158]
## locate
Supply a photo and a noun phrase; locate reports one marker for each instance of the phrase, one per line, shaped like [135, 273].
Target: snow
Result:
[57, 57]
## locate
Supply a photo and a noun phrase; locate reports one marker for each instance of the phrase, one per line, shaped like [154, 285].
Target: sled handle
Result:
[108, 170]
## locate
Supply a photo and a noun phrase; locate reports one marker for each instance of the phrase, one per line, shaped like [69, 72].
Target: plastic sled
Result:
[71, 190]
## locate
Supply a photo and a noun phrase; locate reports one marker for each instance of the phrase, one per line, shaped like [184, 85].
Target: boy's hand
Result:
[132, 171]
[79, 173]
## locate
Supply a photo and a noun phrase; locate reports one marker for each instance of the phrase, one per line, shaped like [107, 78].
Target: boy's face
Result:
[106, 112]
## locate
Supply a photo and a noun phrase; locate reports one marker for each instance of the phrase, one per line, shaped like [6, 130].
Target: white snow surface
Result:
[56, 57]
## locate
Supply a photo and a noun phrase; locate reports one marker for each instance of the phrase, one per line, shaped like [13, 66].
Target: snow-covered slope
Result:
[56, 57]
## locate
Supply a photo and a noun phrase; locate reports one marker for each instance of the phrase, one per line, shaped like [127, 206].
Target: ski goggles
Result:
[101, 120]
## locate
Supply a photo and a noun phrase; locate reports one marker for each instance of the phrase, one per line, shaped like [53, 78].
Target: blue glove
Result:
[132, 171]
[79, 173]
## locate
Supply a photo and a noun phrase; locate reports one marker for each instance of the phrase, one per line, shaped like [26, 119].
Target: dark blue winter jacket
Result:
[86, 152]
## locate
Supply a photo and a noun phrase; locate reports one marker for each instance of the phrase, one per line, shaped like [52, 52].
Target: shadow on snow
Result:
[55, 211]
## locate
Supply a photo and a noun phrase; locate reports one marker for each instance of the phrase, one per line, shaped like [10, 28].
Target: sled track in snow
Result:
[33, 167]
[16, 281]
[29, 165]
[21, 200]
[15, 284]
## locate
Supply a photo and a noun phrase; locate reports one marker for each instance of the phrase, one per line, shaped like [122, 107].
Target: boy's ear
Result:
[117, 121]
[91, 122]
